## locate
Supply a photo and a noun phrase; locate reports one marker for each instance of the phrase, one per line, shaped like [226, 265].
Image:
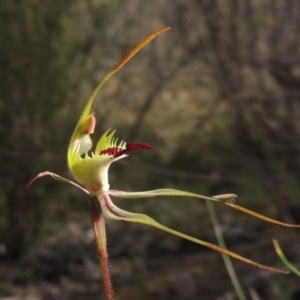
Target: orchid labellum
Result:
[90, 168]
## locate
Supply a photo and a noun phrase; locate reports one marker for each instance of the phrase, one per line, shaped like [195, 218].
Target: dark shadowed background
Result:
[218, 97]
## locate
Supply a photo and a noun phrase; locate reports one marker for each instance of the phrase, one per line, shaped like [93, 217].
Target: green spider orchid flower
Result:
[90, 169]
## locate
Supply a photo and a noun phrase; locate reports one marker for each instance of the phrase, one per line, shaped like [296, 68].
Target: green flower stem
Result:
[98, 222]
[228, 263]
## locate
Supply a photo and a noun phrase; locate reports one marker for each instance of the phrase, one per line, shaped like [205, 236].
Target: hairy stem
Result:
[98, 222]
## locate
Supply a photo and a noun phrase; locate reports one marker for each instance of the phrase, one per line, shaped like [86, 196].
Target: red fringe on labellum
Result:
[116, 152]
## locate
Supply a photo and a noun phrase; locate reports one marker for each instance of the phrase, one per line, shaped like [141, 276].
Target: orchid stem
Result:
[98, 222]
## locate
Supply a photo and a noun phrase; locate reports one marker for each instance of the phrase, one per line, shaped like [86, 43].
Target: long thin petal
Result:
[259, 216]
[86, 111]
[57, 177]
[159, 192]
[220, 198]
[111, 211]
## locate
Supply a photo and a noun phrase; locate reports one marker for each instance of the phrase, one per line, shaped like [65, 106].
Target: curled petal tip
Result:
[228, 198]
[42, 174]
[134, 146]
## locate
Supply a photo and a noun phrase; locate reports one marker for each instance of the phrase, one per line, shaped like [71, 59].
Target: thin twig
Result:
[228, 263]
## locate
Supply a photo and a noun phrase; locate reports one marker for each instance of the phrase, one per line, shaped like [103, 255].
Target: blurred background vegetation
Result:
[218, 97]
